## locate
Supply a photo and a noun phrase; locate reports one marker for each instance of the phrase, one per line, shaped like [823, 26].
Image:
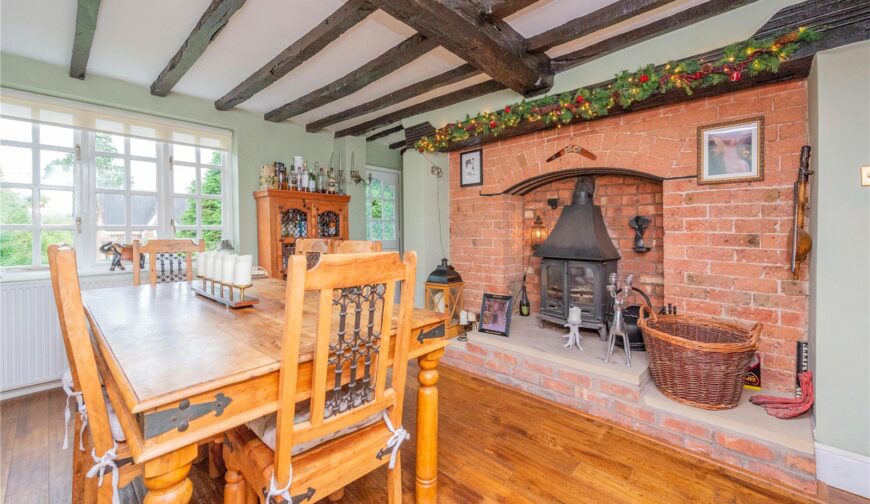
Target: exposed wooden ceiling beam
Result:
[679, 20]
[448, 99]
[213, 20]
[86, 25]
[397, 145]
[505, 8]
[602, 18]
[298, 52]
[386, 132]
[449, 77]
[397, 57]
[492, 46]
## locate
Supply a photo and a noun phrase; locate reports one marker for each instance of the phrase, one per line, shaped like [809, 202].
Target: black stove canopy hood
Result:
[580, 233]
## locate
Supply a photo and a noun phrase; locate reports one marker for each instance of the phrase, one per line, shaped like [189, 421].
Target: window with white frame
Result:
[86, 187]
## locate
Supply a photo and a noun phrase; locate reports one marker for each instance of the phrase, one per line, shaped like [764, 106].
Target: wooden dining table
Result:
[181, 369]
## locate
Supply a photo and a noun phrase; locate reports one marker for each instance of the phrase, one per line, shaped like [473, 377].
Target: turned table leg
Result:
[166, 477]
[427, 429]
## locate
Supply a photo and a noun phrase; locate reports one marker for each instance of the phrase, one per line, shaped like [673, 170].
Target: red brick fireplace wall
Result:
[620, 199]
[724, 247]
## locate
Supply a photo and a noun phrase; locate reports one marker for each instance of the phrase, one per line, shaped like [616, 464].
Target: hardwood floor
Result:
[496, 445]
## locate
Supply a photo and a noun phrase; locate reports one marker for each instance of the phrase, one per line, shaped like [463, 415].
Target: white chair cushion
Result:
[114, 424]
[264, 428]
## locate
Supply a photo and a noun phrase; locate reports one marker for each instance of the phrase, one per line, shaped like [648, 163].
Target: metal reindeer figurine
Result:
[617, 327]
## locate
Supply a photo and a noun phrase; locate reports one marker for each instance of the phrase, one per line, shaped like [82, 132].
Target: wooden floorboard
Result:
[496, 445]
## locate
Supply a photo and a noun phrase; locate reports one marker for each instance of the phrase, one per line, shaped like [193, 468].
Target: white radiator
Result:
[31, 347]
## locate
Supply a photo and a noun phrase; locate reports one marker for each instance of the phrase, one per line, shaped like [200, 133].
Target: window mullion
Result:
[36, 236]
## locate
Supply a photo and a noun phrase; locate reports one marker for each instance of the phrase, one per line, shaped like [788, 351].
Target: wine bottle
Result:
[525, 306]
[304, 178]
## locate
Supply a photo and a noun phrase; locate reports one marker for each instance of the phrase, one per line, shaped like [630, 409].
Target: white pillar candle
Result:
[472, 317]
[200, 264]
[463, 317]
[218, 267]
[209, 265]
[228, 268]
[574, 315]
[242, 276]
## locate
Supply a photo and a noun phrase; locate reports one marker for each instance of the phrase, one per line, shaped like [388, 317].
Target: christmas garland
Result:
[752, 56]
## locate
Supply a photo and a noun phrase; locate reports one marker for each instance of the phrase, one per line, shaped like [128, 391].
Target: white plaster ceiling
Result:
[135, 39]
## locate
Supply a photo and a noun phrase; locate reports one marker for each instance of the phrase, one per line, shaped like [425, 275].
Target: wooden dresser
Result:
[283, 216]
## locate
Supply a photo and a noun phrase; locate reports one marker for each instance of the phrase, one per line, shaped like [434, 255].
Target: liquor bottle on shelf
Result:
[304, 180]
[293, 179]
[321, 179]
[312, 182]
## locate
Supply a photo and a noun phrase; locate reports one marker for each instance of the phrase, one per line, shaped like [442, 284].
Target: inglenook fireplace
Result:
[577, 260]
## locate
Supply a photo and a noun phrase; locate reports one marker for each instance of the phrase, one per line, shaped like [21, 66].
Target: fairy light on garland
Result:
[752, 56]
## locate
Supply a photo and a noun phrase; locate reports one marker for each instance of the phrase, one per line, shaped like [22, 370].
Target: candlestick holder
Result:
[219, 296]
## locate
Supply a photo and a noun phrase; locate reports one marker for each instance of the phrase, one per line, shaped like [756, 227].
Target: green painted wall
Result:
[255, 141]
[840, 260]
[378, 154]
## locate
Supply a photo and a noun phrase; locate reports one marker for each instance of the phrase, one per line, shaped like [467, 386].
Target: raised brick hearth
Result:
[718, 251]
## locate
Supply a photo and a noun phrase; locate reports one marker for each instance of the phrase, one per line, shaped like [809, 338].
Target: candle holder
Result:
[228, 299]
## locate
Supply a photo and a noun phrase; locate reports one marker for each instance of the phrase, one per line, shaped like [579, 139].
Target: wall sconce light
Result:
[538, 232]
[553, 202]
[357, 179]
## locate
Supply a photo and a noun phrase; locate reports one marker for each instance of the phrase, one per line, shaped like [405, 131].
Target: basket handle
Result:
[649, 313]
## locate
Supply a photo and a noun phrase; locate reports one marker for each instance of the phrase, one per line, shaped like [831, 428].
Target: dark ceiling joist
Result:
[841, 22]
[386, 132]
[397, 57]
[449, 77]
[213, 20]
[397, 145]
[86, 25]
[491, 45]
[602, 18]
[348, 15]
[505, 8]
[679, 20]
[484, 88]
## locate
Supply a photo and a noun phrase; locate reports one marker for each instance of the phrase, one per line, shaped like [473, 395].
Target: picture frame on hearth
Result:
[731, 151]
[495, 314]
[471, 168]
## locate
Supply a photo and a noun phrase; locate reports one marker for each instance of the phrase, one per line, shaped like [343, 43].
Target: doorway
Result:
[384, 208]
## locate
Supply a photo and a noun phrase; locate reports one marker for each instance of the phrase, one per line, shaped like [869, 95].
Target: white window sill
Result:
[30, 275]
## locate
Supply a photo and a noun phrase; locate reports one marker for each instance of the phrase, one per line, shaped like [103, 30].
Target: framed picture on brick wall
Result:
[471, 168]
[731, 152]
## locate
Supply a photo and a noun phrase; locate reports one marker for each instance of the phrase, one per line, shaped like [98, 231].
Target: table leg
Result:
[166, 477]
[427, 429]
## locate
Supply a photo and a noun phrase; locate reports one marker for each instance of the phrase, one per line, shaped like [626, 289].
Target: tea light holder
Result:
[231, 272]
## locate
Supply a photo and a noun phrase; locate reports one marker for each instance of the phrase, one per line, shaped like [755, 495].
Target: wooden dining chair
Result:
[168, 260]
[104, 439]
[351, 423]
[357, 247]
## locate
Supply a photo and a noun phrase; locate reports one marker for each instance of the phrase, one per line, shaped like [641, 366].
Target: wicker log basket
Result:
[698, 361]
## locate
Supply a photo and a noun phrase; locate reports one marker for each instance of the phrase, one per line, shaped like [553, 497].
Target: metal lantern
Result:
[538, 232]
[444, 294]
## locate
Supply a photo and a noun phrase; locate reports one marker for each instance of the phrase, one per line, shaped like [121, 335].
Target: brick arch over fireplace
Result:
[725, 247]
[526, 186]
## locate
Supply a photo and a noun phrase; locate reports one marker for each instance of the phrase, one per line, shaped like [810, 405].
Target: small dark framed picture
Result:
[471, 168]
[495, 314]
[731, 152]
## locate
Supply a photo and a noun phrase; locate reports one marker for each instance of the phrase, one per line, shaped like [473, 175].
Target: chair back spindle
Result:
[168, 260]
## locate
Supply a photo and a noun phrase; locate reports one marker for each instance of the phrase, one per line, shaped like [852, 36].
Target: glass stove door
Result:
[581, 282]
[554, 295]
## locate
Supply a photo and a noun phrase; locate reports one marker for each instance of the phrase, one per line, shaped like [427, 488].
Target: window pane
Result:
[56, 207]
[16, 248]
[186, 233]
[184, 153]
[376, 189]
[376, 209]
[111, 173]
[184, 179]
[55, 135]
[145, 148]
[143, 210]
[143, 176]
[111, 209]
[113, 144]
[16, 164]
[19, 131]
[389, 231]
[375, 230]
[143, 235]
[211, 181]
[16, 206]
[389, 191]
[57, 167]
[211, 212]
[185, 212]
[212, 239]
[389, 209]
[109, 236]
[211, 157]
[52, 236]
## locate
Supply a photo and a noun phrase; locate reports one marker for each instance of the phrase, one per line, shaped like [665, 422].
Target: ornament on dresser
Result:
[617, 327]
[639, 224]
[268, 180]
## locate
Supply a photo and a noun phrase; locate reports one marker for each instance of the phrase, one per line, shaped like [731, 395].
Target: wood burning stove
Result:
[577, 260]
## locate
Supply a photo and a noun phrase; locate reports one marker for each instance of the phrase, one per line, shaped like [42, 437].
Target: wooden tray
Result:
[235, 303]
